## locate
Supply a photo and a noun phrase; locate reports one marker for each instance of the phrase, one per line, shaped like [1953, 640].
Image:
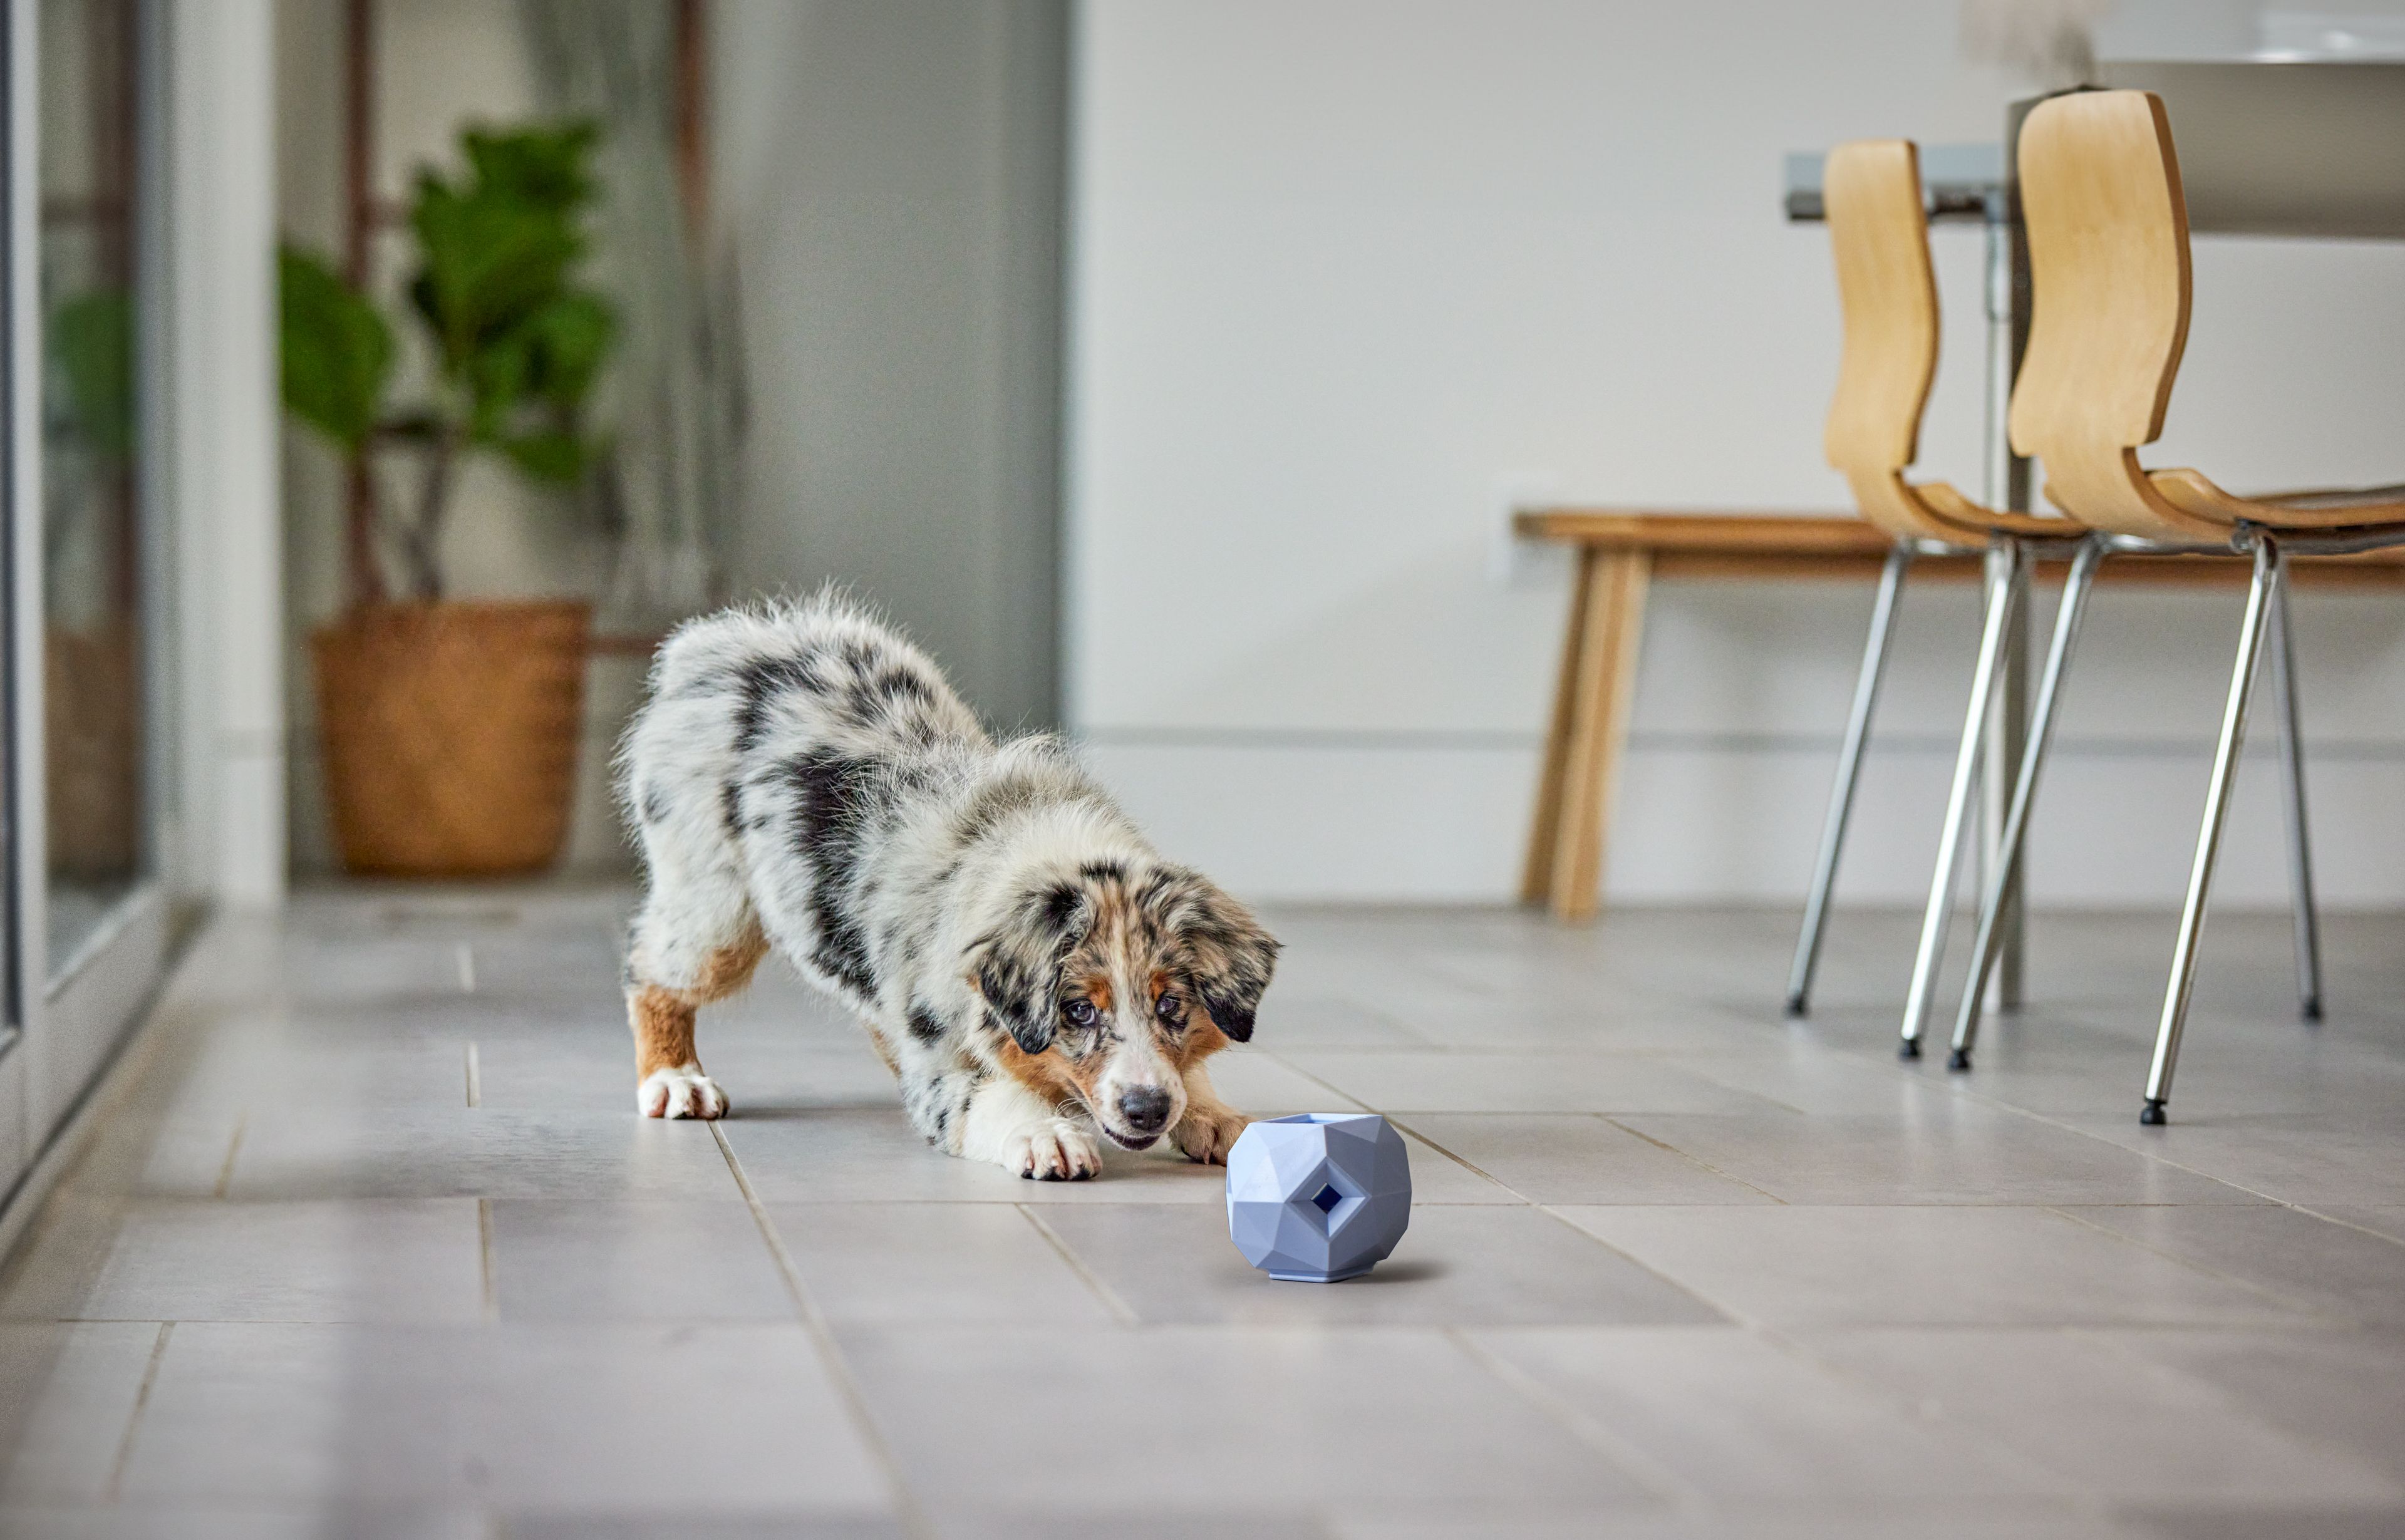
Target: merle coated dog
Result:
[1031, 969]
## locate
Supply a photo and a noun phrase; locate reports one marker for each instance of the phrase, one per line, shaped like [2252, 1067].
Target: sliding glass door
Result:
[85, 918]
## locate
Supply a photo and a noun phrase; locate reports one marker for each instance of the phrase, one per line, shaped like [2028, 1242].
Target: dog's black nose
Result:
[1145, 1107]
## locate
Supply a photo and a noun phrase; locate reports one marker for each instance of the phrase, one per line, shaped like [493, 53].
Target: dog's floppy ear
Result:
[1226, 952]
[1015, 966]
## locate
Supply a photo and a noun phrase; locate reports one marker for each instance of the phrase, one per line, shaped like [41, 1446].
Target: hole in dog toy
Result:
[1325, 1200]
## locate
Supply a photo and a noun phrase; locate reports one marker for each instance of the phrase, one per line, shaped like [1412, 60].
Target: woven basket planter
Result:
[451, 733]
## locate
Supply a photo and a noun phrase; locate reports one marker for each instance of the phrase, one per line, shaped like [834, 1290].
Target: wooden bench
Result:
[1620, 553]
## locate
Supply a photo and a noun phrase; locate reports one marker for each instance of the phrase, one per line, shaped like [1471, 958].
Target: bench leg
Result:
[1544, 825]
[1609, 628]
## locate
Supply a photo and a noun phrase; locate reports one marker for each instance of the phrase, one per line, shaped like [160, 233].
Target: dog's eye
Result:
[1079, 1012]
[1169, 1008]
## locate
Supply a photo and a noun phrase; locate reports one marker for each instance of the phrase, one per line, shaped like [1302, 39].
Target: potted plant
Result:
[451, 726]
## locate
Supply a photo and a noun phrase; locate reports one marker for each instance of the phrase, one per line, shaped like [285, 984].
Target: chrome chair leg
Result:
[2261, 598]
[2002, 595]
[2292, 774]
[1988, 937]
[1849, 765]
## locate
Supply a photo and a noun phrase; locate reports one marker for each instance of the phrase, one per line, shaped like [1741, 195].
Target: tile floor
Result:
[373, 1245]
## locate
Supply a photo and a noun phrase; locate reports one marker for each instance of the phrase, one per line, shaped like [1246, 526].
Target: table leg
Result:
[1611, 627]
[1544, 825]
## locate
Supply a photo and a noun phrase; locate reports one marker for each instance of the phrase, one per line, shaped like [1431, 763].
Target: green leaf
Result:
[556, 457]
[337, 350]
[571, 339]
[544, 167]
[92, 346]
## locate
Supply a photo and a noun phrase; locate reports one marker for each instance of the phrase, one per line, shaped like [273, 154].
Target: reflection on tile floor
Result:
[373, 1244]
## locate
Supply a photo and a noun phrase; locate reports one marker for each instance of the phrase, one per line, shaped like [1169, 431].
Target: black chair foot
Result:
[1908, 1048]
[2153, 1117]
[1797, 1008]
[2312, 1010]
[1959, 1060]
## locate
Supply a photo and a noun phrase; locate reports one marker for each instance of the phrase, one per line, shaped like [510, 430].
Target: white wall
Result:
[1341, 272]
[226, 835]
[891, 176]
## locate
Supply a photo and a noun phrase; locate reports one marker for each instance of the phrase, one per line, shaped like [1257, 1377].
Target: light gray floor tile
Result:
[316, 1070]
[522, 1417]
[896, 1264]
[1730, 1419]
[2310, 1262]
[1572, 1016]
[1575, 1157]
[665, 1522]
[1959, 1153]
[2311, 1161]
[1972, 1520]
[67, 1393]
[390, 1260]
[2102, 1418]
[1805, 1077]
[1182, 1524]
[1257, 1083]
[762, 1072]
[263, 1073]
[1291, 1019]
[1890, 1264]
[1457, 1265]
[1408, 1082]
[484, 1151]
[2289, 1523]
[600, 1259]
[242, 1521]
[2388, 1221]
[1128, 1421]
[2331, 1390]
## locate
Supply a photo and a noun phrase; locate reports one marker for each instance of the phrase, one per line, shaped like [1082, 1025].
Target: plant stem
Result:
[433, 506]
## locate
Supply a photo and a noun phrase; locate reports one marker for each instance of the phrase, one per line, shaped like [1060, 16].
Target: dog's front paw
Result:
[1207, 1134]
[685, 1092]
[1055, 1150]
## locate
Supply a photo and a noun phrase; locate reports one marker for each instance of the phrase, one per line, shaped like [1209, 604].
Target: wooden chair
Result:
[2110, 290]
[1888, 293]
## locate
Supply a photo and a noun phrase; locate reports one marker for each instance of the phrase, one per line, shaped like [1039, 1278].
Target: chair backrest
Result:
[2109, 286]
[1879, 233]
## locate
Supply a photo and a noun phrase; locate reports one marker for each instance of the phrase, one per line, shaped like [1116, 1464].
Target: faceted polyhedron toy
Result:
[1318, 1197]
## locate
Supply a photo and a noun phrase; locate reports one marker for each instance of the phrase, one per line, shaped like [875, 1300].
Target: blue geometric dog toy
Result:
[1319, 1197]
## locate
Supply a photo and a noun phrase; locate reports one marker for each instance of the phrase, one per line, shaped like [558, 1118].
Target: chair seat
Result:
[1980, 521]
[2365, 508]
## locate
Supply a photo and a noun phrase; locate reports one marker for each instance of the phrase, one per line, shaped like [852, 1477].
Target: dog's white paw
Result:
[1207, 1134]
[683, 1092]
[1054, 1150]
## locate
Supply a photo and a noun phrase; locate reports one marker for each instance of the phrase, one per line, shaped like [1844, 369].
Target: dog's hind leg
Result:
[696, 939]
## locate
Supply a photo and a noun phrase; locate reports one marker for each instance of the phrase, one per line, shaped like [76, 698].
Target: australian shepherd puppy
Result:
[1029, 967]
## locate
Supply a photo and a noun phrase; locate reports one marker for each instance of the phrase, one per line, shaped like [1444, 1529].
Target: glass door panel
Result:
[94, 609]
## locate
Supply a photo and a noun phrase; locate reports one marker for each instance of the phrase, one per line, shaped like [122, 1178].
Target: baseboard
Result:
[1405, 818]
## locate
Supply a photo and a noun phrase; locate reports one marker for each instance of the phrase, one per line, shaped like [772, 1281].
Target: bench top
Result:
[1700, 542]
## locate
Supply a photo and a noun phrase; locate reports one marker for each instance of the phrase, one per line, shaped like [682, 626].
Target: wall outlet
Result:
[1510, 560]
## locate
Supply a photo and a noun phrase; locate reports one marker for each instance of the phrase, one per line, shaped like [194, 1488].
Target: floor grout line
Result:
[475, 1076]
[1639, 1467]
[114, 1488]
[914, 1518]
[1109, 1295]
[1697, 1161]
[467, 959]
